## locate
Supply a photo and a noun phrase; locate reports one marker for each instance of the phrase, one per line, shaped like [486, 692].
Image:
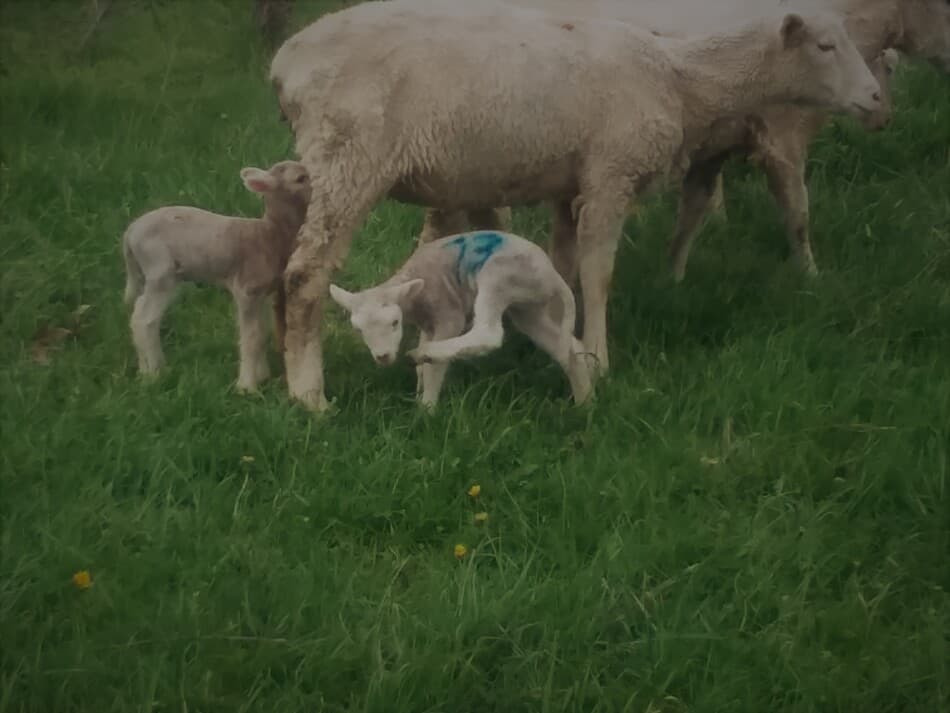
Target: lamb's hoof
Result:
[419, 356]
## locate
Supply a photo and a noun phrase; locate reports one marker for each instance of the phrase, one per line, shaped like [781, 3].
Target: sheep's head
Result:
[883, 66]
[376, 314]
[925, 26]
[285, 184]
[824, 67]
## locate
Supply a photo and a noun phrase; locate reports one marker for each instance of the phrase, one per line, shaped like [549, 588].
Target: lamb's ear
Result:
[793, 31]
[346, 300]
[408, 290]
[258, 181]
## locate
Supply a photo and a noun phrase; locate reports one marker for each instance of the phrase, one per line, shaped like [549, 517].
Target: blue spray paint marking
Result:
[474, 251]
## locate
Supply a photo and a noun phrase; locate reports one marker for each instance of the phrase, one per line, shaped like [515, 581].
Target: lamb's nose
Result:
[876, 96]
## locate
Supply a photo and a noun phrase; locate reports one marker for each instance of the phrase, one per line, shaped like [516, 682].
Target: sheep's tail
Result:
[134, 277]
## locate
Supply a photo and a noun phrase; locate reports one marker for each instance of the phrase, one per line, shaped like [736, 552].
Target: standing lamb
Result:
[450, 106]
[246, 256]
[471, 278]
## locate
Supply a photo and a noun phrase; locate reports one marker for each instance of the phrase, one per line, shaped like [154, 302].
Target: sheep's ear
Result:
[408, 290]
[258, 181]
[793, 30]
[346, 300]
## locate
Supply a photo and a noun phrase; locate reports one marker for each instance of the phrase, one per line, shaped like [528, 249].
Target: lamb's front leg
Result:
[431, 375]
[252, 340]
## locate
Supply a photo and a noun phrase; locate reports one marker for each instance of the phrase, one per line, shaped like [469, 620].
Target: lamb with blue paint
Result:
[471, 278]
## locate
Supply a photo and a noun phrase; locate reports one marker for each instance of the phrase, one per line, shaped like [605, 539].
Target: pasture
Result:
[753, 515]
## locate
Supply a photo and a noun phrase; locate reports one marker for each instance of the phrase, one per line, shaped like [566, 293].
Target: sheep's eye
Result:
[301, 179]
[826, 46]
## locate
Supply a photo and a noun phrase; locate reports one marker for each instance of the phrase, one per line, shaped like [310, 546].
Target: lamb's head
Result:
[376, 314]
[883, 66]
[823, 68]
[285, 187]
[925, 31]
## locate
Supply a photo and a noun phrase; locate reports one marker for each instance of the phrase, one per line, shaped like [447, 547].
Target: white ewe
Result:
[475, 105]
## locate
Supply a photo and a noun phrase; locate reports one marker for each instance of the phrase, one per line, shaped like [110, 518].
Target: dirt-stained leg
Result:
[440, 223]
[337, 208]
[696, 198]
[280, 316]
[786, 178]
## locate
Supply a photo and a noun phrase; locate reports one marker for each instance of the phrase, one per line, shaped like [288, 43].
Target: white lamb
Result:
[470, 278]
[246, 256]
[476, 105]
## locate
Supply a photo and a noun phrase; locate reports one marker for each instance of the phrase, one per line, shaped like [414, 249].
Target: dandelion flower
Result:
[247, 459]
[82, 580]
[460, 551]
[481, 518]
[475, 490]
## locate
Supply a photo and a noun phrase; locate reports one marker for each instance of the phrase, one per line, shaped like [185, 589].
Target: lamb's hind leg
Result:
[696, 197]
[252, 340]
[486, 334]
[558, 341]
[146, 322]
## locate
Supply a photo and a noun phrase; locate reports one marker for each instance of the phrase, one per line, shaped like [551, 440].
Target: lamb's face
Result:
[926, 25]
[293, 181]
[824, 66]
[380, 325]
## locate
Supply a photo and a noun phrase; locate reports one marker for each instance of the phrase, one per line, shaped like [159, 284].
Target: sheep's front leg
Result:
[598, 234]
[697, 195]
[252, 341]
[486, 334]
[786, 176]
[323, 243]
[146, 322]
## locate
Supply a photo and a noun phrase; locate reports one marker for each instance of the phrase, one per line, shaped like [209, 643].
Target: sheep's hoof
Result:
[313, 400]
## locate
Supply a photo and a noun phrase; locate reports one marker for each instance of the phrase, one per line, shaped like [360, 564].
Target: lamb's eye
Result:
[826, 46]
[301, 179]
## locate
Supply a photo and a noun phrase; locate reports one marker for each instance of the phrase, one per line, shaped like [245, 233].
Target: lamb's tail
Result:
[134, 277]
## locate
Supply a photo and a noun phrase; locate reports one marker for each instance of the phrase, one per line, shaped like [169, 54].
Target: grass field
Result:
[753, 516]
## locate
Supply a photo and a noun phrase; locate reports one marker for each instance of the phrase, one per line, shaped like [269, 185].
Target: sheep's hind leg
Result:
[535, 322]
[146, 323]
[252, 341]
[697, 196]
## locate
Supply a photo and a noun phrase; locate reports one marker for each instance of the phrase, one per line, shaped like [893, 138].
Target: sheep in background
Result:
[246, 256]
[473, 278]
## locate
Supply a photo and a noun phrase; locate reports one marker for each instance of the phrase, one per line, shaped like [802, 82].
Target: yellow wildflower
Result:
[475, 490]
[82, 579]
[460, 551]
[481, 517]
[247, 459]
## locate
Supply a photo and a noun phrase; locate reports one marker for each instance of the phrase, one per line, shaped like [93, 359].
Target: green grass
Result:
[753, 516]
